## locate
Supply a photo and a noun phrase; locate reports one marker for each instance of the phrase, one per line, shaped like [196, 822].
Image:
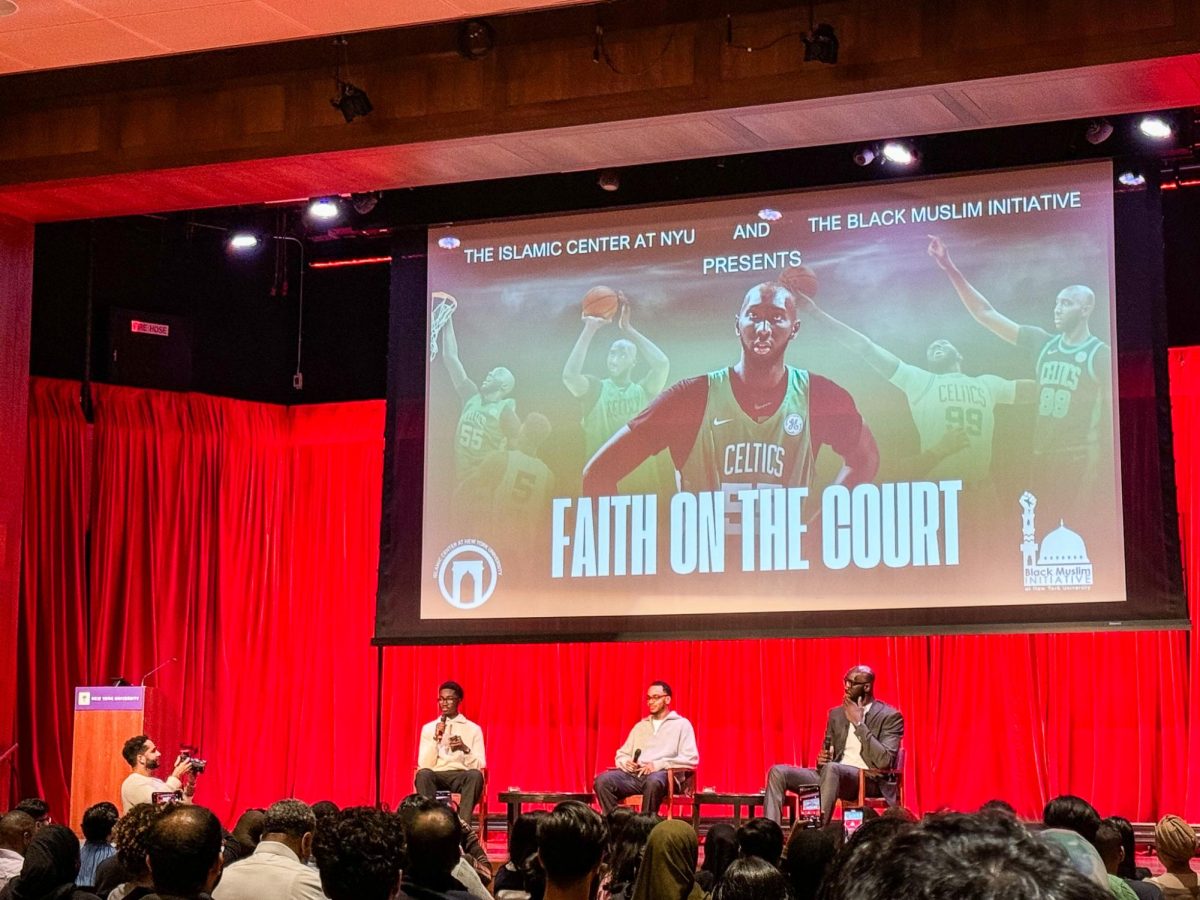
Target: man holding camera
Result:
[141, 785]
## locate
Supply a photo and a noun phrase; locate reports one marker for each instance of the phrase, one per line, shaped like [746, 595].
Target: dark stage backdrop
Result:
[242, 538]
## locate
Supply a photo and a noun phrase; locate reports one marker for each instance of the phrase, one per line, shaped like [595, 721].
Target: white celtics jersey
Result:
[952, 400]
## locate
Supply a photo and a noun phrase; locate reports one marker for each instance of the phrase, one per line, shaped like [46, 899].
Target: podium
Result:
[105, 718]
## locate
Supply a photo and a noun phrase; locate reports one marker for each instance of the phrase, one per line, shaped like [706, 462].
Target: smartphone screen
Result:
[810, 807]
[852, 820]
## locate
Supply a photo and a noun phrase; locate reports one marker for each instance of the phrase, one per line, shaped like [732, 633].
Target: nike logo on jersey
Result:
[717, 422]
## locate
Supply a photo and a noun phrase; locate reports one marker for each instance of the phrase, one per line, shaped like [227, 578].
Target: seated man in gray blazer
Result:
[861, 733]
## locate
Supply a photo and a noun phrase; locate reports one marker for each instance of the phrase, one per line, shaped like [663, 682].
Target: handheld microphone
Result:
[637, 754]
[142, 683]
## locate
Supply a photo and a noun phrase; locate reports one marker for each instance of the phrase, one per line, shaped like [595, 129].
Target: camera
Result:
[198, 765]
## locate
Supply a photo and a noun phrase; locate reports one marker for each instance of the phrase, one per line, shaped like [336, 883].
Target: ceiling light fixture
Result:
[324, 208]
[1098, 131]
[898, 153]
[1155, 127]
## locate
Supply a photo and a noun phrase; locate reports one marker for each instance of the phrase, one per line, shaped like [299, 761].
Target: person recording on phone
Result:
[450, 756]
[141, 784]
[862, 732]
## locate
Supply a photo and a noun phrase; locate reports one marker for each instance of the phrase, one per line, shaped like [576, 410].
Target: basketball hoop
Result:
[438, 318]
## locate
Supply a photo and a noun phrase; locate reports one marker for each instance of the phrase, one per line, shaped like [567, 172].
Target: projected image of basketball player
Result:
[1074, 394]
[489, 415]
[954, 413]
[508, 493]
[758, 422]
[609, 403]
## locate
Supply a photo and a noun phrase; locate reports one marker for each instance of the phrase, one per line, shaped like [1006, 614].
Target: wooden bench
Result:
[517, 799]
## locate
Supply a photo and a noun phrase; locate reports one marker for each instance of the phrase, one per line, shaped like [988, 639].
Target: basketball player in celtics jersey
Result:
[489, 415]
[611, 402]
[954, 413]
[1074, 384]
[757, 423]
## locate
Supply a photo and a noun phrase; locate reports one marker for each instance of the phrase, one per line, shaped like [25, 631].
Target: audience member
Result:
[810, 852]
[858, 851]
[184, 853]
[625, 855]
[97, 826]
[1112, 852]
[16, 831]
[521, 877]
[762, 838]
[1002, 807]
[720, 849]
[126, 876]
[49, 869]
[277, 869]
[1074, 814]
[752, 878]
[1081, 855]
[433, 836]
[668, 870]
[37, 809]
[140, 785]
[247, 832]
[1175, 845]
[465, 871]
[323, 810]
[1129, 869]
[949, 856]
[359, 852]
[570, 843]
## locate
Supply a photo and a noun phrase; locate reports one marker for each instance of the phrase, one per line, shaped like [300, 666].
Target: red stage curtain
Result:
[242, 539]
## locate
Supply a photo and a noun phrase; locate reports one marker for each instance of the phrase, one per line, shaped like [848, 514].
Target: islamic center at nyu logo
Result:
[1061, 562]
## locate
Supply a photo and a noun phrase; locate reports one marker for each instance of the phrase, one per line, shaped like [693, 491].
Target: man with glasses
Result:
[450, 756]
[862, 732]
[663, 740]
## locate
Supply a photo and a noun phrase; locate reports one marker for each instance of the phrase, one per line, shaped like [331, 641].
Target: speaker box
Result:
[151, 350]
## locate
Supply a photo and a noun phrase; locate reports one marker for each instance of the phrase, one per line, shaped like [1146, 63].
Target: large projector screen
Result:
[863, 408]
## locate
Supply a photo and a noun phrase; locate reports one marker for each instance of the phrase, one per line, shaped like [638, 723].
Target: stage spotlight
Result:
[1155, 127]
[1098, 131]
[449, 242]
[243, 240]
[770, 215]
[821, 45]
[365, 203]
[609, 180]
[1131, 179]
[351, 101]
[324, 208]
[476, 39]
[900, 154]
[864, 156]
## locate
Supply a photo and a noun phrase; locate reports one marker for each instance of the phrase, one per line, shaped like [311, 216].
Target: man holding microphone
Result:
[450, 756]
[862, 732]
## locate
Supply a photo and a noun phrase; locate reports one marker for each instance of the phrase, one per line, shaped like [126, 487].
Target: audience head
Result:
[522, 840]
[1081, 855]
[323, 808]
[131, 835]
[51, 861]
[720, 849]
[433, 835]
[16, 830]
[249, 829]
[616, 819]
[1174, 842]
[998, 807]
[98, 822]
[1074, 814]
[1109, 845]
[359, 852]
[947, 856]
[184, 850]
[625, 848]
[570, 842]
[668, 867]
[37, 809]
[1128, 866]
[810, 851]
[752, 878]
[762, 838]
[291, 822]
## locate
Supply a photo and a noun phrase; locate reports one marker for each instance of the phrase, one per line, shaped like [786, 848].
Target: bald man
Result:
[757, 423]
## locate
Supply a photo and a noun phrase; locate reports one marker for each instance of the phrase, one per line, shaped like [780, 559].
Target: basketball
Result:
[800, 279]
[601, 302]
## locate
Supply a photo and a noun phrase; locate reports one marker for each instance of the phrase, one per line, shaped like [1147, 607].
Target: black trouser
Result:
[467, 783]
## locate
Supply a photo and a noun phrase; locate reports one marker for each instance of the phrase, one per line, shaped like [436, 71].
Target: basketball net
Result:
[438, 319]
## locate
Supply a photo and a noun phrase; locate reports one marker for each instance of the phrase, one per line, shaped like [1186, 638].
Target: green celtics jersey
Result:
[614, 407]
[478, 432]
[732, 450]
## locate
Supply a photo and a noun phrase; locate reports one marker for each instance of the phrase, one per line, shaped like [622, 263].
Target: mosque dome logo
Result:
[1060, 562]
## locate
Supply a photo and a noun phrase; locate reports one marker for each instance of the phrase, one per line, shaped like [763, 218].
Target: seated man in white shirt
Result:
[862, 732]
[141, 785]
[277, 869]
[16, 831]
[662, 740]
[450, 756]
